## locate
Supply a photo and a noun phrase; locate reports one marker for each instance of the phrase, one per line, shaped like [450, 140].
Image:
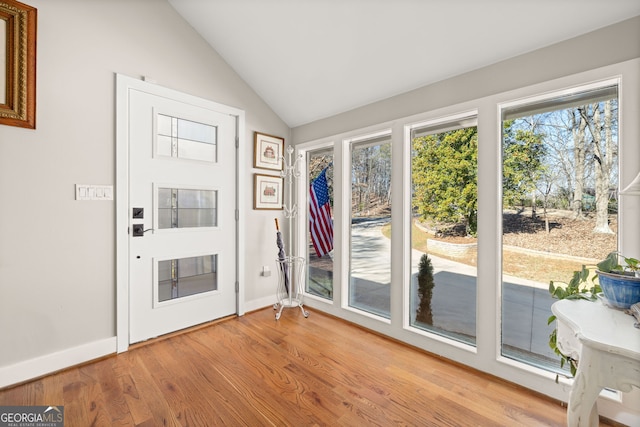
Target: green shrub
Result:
[425, 290]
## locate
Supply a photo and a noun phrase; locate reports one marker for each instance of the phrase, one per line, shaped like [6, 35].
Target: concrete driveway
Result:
[526, 304]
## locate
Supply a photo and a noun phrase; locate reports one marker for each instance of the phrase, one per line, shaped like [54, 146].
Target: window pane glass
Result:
[183, 208]
[196, 131]
[165, 125]
[194, 150]
[320, 270]
[370, 269]
[204, 199]
[166, 209]
[182, 277]
[186, 139]
[560, 181]
[444, 230]
[164, 145]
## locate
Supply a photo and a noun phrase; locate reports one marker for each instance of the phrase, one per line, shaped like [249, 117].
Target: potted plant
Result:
[619, 285]
[581, 286]
[633, 265]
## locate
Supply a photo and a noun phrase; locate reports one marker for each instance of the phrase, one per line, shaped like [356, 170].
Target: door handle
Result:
[138, 230]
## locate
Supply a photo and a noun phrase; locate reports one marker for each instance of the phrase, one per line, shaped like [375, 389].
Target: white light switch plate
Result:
[94, 192]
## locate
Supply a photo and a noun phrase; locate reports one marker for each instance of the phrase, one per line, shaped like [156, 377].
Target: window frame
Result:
[444, 123]
[302, 196]
[347, 146]
[486, 357]
[520, 103]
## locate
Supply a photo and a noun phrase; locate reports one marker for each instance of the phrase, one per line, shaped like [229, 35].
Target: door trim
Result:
[124, 84]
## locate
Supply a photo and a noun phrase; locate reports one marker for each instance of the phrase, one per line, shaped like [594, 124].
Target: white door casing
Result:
[145, 172]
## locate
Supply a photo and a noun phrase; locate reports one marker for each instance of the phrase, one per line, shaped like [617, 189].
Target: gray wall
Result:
[57, 255]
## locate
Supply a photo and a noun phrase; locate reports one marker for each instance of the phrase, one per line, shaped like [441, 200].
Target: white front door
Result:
[182, 214]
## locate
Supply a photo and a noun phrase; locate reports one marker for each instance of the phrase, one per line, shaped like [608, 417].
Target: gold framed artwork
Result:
[267, 192]
[17, 64]
[268, 151]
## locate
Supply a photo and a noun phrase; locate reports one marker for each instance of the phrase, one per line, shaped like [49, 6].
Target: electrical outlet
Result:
[266, 271]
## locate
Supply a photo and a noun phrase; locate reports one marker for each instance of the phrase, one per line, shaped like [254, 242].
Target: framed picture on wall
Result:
[18, 31]
[267, 191]
[268, 151]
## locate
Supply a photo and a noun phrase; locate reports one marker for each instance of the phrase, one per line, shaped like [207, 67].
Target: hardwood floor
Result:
[255, 371]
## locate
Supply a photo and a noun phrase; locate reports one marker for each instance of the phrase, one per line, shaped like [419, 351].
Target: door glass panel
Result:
[370, 269]
[186, 208]
[320, 271]
[186, 139]
[178, 278]
[559, 208]
[444, 210]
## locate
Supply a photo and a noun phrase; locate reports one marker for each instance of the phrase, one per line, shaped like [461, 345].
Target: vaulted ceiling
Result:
[311, 59]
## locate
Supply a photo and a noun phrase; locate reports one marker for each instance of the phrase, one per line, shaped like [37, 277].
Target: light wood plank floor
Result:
[255, 371]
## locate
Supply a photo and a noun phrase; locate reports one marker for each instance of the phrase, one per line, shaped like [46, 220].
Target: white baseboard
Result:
[43, 365]
[259, 303]
[49, 363]
[625, 409]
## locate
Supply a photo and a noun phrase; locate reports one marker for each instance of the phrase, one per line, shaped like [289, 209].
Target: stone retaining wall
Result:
[469, 251]
[454, 250]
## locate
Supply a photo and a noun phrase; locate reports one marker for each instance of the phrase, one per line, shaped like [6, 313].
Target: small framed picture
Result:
[268, 151]
[267, 191]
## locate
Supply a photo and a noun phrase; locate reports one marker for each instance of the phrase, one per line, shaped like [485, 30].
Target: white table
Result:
[607, 346]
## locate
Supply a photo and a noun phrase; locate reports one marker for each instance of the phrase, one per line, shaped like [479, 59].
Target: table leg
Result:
[582, 410]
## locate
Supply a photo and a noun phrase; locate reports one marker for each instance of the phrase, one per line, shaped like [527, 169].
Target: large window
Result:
[493, 198]
[320, 260]
[559, 210]
[370, 252]
[444, 230]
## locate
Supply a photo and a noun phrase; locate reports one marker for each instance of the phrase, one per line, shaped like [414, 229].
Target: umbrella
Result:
[282, 257]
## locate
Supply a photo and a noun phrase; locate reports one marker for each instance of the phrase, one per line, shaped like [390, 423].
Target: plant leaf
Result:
[610, 263]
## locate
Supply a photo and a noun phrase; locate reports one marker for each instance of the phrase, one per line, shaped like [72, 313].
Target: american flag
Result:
[320, 222]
